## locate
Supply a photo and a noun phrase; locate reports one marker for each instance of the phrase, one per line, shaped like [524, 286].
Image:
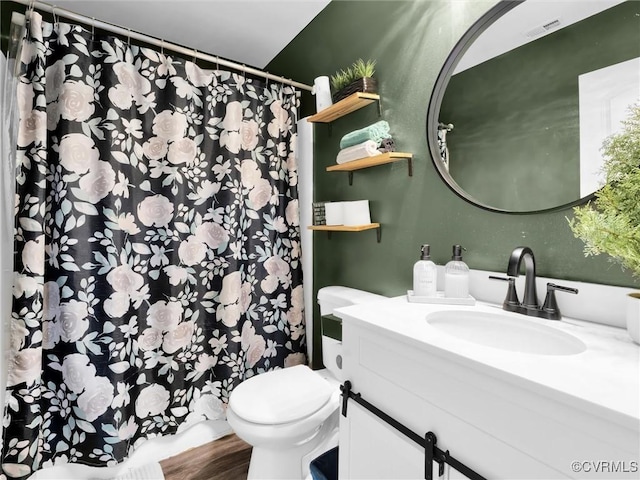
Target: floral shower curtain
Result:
[157, 255]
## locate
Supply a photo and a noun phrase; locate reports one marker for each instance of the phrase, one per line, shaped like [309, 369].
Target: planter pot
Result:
[366, 85]
[633, 316]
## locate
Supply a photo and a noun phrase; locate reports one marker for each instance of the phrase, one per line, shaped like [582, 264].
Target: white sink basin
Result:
[506, 332]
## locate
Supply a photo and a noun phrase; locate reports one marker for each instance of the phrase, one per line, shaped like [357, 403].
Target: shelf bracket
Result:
[350, 178]
[379, 108]
[410, 166]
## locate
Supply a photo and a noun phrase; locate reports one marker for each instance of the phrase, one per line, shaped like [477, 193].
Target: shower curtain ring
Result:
[93, 27]
[217, 63]
[162, 46]
[55, 17]
[128, 36]
[195, 57]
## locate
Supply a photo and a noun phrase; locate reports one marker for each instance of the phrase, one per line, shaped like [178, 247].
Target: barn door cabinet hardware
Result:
[429, 441]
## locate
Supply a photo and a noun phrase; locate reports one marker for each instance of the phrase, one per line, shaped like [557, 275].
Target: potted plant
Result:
[611, 223]
[356, 78]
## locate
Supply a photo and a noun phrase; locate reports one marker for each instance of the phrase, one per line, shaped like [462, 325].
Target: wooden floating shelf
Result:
[348, 228]
[367, 162]
[344, 228]
[345, 106]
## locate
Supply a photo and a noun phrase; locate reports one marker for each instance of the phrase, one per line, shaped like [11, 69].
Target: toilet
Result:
[290, 416]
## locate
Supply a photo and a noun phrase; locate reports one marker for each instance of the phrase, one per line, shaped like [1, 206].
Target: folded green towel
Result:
[376, 132]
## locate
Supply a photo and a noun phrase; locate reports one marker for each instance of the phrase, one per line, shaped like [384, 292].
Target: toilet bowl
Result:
[284, 426]
[290, 416]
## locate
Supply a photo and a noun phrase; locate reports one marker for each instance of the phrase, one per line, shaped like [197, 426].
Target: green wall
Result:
[411, 40]
[516, 141]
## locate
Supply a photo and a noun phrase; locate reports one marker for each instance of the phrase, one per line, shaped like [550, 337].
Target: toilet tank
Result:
[329, 299]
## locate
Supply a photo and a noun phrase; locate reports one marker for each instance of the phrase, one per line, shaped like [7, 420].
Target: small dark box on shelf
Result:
[319, 216]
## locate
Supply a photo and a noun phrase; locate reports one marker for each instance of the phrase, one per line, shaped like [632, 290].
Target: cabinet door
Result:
[372, 450]
[420, 392]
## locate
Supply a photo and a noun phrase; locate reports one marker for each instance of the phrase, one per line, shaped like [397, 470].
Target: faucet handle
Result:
[550, 307]
[511, 300]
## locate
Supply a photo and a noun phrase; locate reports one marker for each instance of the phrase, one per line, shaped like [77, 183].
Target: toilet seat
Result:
[284, 434]
[280, 396]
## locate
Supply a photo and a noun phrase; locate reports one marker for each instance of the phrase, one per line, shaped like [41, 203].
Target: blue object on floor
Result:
[325, 467]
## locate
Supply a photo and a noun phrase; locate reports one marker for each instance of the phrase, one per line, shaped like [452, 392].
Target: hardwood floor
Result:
[224, 459]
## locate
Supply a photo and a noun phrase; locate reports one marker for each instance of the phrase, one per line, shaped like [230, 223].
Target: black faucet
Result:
[513, 270]
[529, 305]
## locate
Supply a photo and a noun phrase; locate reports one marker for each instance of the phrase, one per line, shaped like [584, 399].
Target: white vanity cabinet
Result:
[501, 425]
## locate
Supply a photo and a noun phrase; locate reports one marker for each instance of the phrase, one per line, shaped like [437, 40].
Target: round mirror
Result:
[526, 98]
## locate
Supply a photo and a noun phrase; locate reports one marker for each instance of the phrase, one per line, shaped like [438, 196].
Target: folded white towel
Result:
[362, 150]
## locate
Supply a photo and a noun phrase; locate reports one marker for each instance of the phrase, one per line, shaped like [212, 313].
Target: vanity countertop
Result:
[604, 380]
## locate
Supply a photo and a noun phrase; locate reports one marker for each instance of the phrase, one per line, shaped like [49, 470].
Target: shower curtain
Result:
[157, 259]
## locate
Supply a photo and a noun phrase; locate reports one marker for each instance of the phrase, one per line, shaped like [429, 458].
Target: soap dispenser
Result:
[456, 276]
[425, 275]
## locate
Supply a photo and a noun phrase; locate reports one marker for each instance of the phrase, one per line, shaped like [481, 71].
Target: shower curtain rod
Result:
[159, 43]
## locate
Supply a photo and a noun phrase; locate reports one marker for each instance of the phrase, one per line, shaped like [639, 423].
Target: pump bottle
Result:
[456, 276]
[425, 275]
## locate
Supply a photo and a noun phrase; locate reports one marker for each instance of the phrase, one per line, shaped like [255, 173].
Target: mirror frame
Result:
[435, 103]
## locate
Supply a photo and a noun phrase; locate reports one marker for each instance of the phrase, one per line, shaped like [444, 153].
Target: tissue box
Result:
[356, 213]
[334, 214]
